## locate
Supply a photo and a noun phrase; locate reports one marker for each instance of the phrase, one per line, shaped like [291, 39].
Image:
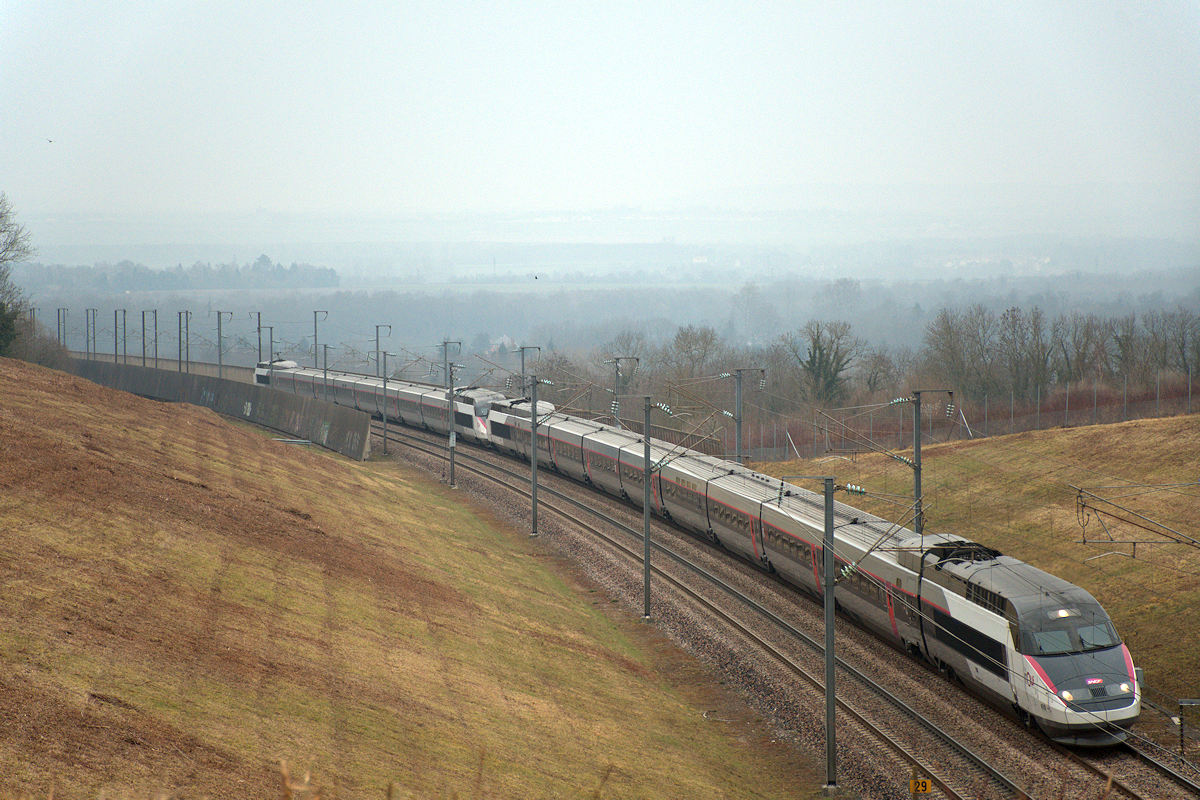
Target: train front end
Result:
[1079, 683]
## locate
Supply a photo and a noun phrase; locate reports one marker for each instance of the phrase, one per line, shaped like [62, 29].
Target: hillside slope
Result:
[186, 602]
[1013, 493]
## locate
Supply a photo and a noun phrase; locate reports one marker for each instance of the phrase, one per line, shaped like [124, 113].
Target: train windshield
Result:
[1051, 630]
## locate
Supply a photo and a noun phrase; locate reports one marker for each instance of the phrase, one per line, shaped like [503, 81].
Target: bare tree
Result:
[1126, 347]
[1012, 344]
[961, 349]
[692, 350]
[879, 369]
[1080, 343]
[14, 246]
[823, 352]
[1179, 331]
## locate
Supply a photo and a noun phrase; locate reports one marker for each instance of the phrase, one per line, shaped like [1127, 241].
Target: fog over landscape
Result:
[586, 177]
[706, 261]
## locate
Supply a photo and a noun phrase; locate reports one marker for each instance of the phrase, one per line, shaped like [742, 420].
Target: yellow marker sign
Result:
[920, 786]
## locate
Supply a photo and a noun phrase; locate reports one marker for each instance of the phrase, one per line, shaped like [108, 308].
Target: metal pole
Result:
[156, 338]
[919, 518]
[115, 330]
[258, 326]
[616, 389]
[449, 402]
[187, 344]
[385, 374]
[522, 350]
[1184, 702]
[220, 357]
[124, 336]
[377, 327]
[646, 512]
[179, 358]
[316, 351]
[270, 355]
[533, 457]
[143, 337]
[326, 352]
[737, 419]
[830, 691]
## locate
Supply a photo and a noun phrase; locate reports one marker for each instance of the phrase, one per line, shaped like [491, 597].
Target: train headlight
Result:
[1126, 688]
[1066, 695]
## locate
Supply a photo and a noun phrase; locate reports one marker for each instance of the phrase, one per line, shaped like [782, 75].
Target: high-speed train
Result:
[1015, 635]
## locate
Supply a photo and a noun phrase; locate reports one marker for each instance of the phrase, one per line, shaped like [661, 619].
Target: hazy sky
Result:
[401, 107]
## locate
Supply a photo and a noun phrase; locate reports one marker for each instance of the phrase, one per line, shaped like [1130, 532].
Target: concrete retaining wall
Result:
[229, 372]
[341, 429]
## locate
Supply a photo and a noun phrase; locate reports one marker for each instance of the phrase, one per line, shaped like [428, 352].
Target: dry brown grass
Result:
[187, 601]
[1012, 493]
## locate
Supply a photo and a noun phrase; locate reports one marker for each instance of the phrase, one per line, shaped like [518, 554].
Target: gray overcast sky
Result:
[402, 107]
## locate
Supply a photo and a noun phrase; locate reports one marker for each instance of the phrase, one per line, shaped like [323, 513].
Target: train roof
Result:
[576, 426]
[614, 437]
[477, 394]
[522, 406]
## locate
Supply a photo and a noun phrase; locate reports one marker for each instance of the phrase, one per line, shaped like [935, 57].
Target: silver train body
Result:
[1015, 635]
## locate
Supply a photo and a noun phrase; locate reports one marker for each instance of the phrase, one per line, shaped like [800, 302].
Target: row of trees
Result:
[1017, 351]
[127, 276]
[1014, 355]
[19, 337]
[14, 246]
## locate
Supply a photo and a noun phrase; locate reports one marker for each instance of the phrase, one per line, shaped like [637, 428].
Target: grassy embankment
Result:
[1013, 493]
[186, 602]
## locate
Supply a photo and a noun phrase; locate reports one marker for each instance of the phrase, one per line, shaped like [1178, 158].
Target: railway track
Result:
[957, 772]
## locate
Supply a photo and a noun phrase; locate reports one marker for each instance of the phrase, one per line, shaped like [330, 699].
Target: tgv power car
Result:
[1016, 635]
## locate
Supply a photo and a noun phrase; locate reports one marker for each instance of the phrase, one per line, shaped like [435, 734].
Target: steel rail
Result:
[1079, 760]
[977, 763]
[1159, 763]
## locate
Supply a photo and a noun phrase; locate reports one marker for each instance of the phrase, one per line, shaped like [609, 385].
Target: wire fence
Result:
[775, 437]
[1070, 405]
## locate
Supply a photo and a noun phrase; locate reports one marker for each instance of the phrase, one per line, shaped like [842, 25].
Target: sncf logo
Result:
[1094, 681]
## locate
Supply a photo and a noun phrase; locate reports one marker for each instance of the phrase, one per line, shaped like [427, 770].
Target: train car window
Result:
[985, 597]
[980, 648]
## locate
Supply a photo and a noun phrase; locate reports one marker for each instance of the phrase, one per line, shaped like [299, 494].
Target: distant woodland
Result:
[128, 276]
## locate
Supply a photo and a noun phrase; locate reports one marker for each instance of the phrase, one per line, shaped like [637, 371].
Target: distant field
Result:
[187, 602]
[1012, 493]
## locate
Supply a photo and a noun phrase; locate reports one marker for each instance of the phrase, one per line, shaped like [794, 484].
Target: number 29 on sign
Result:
[918, 786]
